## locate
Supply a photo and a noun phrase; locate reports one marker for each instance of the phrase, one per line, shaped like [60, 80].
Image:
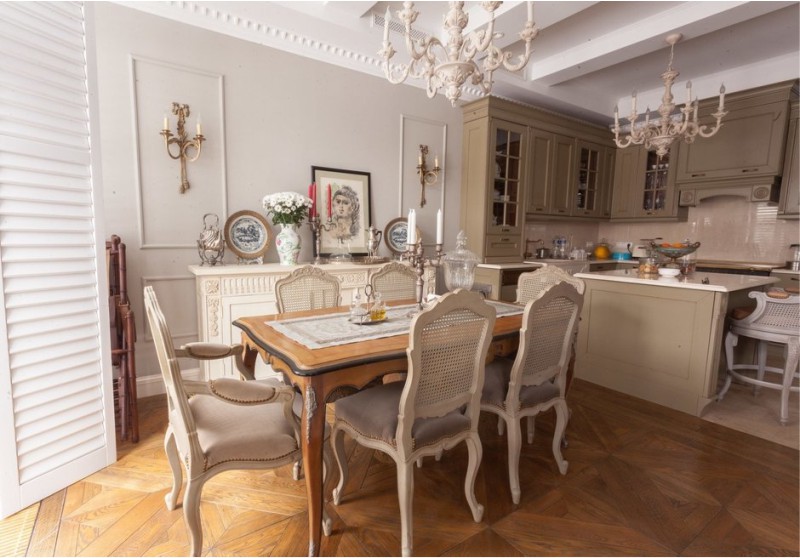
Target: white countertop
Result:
[720, 282]
[518, 265]
[784, 272]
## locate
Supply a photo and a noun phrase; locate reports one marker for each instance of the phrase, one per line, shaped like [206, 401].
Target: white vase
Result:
[288, 243]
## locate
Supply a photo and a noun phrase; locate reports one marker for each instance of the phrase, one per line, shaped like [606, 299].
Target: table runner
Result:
[317, 332]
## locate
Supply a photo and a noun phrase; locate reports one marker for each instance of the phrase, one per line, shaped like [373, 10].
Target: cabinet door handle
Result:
[538, 208]
[562, 211]
[504, 239]
[699, 174]
[750, 170]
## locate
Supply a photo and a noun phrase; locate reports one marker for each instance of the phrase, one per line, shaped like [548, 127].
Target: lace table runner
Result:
[317, 332]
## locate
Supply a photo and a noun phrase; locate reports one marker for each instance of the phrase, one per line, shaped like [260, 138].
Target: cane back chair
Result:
[437, 407]
[536, 379]
[395, 281]
[218, 425]
[307, 288]
[774, 320]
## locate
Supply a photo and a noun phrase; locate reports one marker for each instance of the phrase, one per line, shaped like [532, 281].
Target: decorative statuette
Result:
[211, 245]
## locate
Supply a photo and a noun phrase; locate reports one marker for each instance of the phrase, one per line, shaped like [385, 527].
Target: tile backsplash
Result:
[728, 228]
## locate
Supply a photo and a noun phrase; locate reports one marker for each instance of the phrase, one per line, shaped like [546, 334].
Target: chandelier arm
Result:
[704, 132]
[390, 70]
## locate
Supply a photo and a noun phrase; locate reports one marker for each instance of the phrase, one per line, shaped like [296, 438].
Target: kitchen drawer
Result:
[503, 245]
[603, 266]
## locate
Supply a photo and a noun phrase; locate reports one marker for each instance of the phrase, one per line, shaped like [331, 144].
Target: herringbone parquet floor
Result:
[643, 480]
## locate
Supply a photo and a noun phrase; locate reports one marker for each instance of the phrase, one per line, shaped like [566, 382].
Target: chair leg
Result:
[562, 417]
[514, 448]
[177, 472]
[191, 514]
[475, 450]
[501, 425]
[405, 495]
[337, 444]
[792, 362]
[531, 428]
[731, 340]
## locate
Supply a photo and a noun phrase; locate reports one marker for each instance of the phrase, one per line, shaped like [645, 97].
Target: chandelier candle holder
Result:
[427, 177]
[182, 141]
[415, 253]
[659, 134]
[458, 64]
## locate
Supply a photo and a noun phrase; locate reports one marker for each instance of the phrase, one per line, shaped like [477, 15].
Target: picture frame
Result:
[248, 235]
[343, 205]
[395, 235]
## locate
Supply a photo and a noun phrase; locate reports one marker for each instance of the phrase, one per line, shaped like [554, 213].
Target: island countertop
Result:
[719, 282]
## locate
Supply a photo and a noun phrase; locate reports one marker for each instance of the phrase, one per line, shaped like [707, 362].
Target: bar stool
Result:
[775, 319]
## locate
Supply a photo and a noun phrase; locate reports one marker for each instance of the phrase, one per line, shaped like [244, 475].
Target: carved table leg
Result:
[313, 433]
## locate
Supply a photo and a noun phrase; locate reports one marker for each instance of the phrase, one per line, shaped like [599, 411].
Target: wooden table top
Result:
[309, 362]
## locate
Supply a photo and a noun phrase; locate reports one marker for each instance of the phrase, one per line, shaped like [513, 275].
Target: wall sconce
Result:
[183, 143]
[426, 176]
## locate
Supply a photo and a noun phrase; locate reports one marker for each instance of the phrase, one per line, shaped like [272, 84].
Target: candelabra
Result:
[182, 141]
[415, 254]
[426, 176]
[317, 227]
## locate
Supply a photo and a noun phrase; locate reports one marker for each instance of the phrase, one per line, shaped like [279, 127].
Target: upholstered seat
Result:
[436, 408]
[535, 380]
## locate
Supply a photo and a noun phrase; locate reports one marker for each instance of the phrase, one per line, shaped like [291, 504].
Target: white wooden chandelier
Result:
[459, 52]
[659, 134]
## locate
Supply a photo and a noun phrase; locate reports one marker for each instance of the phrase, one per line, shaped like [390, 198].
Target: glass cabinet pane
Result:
[655, 184]
[588, 179]
[507, 177]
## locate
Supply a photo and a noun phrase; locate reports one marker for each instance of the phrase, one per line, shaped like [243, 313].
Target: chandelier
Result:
[458, 63]
[659, 134]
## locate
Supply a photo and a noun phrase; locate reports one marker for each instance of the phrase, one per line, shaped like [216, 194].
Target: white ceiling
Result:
[588, 57]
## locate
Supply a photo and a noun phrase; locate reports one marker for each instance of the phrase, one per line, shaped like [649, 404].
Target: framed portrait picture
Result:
[343, 205]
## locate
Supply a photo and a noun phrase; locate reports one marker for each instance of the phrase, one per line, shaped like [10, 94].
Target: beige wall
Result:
[268, 116]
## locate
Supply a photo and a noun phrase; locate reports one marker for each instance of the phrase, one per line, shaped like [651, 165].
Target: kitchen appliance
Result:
[621, 251]
[794, 263]
[642, 249]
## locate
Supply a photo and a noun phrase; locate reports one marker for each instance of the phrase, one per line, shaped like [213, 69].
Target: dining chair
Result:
[395, 281]
[775, 319]
[436, 408]
[307, 288]
[535, 380]
[218, 425]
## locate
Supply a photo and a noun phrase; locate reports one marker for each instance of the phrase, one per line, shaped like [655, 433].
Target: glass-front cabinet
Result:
[644, 185]
[506, 213]
[588, 193]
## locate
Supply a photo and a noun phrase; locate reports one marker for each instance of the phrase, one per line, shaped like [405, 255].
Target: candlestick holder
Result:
[182, 141]
[426, 176]
[415, 255]
[317, 226]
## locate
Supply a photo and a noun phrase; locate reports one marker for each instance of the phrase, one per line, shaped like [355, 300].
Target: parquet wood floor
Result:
[643, 480]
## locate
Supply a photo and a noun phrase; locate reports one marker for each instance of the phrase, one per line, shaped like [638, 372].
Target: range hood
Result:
[767, 189]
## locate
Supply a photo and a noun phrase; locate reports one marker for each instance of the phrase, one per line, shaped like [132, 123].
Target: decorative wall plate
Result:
[396, 233]
[248, 234]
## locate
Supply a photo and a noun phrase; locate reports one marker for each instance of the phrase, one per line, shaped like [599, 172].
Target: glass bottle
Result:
[357, 309]
[377, 312]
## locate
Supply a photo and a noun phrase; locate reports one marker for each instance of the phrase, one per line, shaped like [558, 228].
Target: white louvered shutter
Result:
[56, 410]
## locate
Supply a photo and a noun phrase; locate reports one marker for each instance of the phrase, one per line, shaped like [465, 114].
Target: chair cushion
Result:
[228, 432]
[373, 413]
[495, 387]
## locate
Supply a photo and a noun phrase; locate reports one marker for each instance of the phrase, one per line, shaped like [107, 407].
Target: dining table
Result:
[326, 355]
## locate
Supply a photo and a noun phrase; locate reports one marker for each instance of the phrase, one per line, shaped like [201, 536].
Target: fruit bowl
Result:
[674, 252]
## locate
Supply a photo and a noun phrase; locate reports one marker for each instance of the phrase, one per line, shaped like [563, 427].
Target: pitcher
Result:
[373, 241]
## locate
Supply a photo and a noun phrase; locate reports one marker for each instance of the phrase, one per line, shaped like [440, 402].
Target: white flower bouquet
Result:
[287, 208]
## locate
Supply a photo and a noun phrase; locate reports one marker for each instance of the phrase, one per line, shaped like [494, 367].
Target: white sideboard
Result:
[226, 293]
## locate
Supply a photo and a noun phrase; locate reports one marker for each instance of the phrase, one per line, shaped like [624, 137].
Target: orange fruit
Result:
[666, 245]
[677, 244]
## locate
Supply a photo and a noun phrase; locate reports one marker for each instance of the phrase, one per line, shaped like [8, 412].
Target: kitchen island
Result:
[659, 339]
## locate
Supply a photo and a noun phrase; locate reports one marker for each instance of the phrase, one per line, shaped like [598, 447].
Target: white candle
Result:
[419, 160]
[166, 123]
[436, 161]
[633, 103]
[386, 20]
[199, 127]
[722, 97]
[439, 227]
[688, 92]
[616, 116]
[530, 11]
[411, 236]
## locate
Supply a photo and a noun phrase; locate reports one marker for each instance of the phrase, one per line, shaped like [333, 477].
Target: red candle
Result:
[330, 207]
[312, 194]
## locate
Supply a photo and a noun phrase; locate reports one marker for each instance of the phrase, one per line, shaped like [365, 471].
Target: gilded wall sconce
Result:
[182, 141]
[427, 176]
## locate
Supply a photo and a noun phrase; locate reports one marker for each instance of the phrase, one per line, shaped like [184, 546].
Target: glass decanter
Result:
[459, 265]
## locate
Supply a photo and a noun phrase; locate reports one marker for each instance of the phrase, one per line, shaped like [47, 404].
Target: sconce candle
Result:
[426, 176]
[182, 141]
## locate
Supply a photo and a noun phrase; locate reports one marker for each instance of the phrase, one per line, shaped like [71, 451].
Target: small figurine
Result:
[211, 245]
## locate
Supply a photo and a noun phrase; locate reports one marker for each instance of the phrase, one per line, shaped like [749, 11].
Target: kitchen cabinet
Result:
[493, 178]
[750, 143]
[589, 185]
[644, 186]
[502, 278]
[552, 158]
[789, 205]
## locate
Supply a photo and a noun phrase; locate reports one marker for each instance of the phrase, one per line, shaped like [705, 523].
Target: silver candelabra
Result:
[317, 227]
[415, 254]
